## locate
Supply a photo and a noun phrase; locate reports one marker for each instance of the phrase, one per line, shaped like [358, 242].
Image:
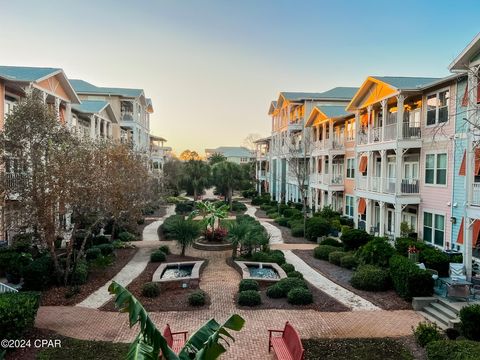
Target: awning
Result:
[465, 97]
[463, 164]
[475, 232]
[362, 167]
[460, 233]
[477, 161]
[362, 206]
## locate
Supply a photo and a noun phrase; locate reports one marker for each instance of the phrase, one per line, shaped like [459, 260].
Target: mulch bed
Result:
[369, 348]
[72, 349]
[168, 300]
[321, 302]
[55, 296]
[387, 300]
[287, 237]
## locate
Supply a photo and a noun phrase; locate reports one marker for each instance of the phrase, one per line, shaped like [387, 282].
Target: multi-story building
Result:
[466, 196]
[94, 119]
[262, 165]
[236, 154]
[159, 153]
[130, 106]
[290, 138]
[404, 156]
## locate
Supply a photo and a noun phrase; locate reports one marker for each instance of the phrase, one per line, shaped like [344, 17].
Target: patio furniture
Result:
[475, 291]
[456, 288]
[288, 346]
[457, 271]
[174, 341]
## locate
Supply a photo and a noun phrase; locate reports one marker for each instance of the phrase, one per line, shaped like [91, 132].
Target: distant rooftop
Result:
[344, 93]
[407, 82]
[231, 151]
[84, 87]
[90, 106]
[24, 73]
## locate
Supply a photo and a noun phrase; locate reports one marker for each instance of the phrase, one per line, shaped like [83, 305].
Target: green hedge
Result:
[248, 284]
[38, 274]
[377, 251]
[316, 227]
[300, 296]
[370, 278]
[17, 313]
[274, 256]
[297, 231]
[323, 251]
[470, 318]
[249, 298]
[436, 259]
[348, 261]
[453, 350]
[354, 238]
[408, 279]
[281, 221]
[335, 257]
[332, 242]
[197, 298]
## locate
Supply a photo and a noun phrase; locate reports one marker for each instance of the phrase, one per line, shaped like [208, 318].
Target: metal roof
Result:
[333, 111]
[90, 106]
[406, 82]
[27, 74]
[341, 92]
[232, 151]
[84, 87]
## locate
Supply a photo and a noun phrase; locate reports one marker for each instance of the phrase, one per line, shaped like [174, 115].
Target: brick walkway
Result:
[221, 283]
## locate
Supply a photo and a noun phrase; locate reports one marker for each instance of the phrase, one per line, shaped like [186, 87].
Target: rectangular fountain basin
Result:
[185, 274]
[262, 272]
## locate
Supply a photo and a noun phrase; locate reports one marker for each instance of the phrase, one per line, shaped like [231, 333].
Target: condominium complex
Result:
[398, 155]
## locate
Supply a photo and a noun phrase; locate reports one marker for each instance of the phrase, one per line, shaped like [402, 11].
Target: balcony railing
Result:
[476, 194]
[389, 133]
[388, 185]
[14, 181]
[410, 132]
[326, 179]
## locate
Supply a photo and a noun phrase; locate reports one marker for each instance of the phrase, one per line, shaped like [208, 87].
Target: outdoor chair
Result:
[457, 271]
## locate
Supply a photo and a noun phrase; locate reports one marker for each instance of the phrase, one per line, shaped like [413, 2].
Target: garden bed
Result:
[321, 302]
[387, 300]
[55, 296]
[356, 349]
[168, 300]
[71, 349]
[286, 234]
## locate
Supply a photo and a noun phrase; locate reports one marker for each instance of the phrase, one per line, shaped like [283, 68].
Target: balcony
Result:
[336, 143]
[297, 125]
[476, 194]
[387, 185]
[326, 179]
[387, 133]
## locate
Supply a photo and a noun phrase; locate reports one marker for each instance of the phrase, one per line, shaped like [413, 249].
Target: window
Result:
[433, 228]
[437, 107]
[351, 168]
[349, 206]
[436, 169]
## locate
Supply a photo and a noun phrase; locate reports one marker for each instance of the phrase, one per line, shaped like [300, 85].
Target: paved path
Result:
[134, 267]
[274, 232]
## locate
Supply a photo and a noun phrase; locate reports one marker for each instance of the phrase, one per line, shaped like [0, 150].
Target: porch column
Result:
[98, 127]
[381, 230]
[330, 169]
[368, 215]
[383, 169]
[355, 136]
[467, 247]
[92, 127]
[330, 198]
[330, 139]
[355, 211]
[384, 116]
[398, 219]
[57, 108]
[369, 126]
[104, 128]
[398, 170]
[369, 170]
[400, 102]
[324, 134]
[68, 114]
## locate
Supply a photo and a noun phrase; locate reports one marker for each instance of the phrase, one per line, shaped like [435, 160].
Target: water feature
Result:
[264, 272]
[177, 271]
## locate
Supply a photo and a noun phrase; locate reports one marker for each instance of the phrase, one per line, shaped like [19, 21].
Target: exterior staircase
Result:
[442, 313]
[4, 288]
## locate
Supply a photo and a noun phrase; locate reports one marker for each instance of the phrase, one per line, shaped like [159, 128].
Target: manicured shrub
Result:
[197, 298]
[316, 227]
[282, 208]
[238, 207]
[287, 284]
[295, 274]
[282, 221]
[265, 207]
[273, 215]
[157, 256]
[348, 261]
[453, 350]
[332, 242]
[275, 256]
[300, 296]
[106, 249]
[184, 207]
[248, 284]
[249, 298]
[275, 292]
[126, 236]
[335, 257]
[323, 251]
[100, 239]
[470, 322]
[377, 251]
[168, 225]
[293, 223]
[426, 332]
[290, 212]
[5, 255]
[370, 278]
[297, 231]
[80, 273]
[354, 238]
[408, 279]
[38, 274]
[17, 313]
[346, 221]
[150, 290]
[402, 245]
[165, 249]
[93, 253]
[249, 193]
[436, 259]
[288, 267]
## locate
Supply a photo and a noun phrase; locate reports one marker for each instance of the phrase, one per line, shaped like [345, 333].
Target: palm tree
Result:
[227, 176]
[238, 232]
[207, 343]
[185, 231]
[196, 176]
[216, 158]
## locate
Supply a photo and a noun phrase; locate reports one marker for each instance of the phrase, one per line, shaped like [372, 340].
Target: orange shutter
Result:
[465, 97]
[476, 232]
[363, 164]
[362, 206]
[477, 161]
[462, 165]
[372, 118]
[460, 233]
[364, 119]
[478, 91]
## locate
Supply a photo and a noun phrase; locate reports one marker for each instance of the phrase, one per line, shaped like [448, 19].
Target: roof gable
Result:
[321, 113]
[469, 54]
[27, 74]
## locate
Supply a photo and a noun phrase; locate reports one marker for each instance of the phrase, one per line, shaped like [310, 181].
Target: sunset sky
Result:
[211, 67]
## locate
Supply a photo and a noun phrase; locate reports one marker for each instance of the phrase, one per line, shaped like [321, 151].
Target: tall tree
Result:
[172, 175]
[196, 176]
[227, 177]
[188, 155]
[216, 158]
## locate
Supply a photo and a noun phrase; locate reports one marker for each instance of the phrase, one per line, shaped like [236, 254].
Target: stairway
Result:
[442, 313]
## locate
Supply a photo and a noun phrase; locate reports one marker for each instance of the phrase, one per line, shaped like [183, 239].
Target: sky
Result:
[212, 67]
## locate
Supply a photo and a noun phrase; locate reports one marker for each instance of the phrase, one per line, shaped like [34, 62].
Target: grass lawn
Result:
[355, 349]
[73, 349]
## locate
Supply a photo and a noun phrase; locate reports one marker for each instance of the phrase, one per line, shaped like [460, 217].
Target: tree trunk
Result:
[183, 250]
[230, 197]
[194, 193]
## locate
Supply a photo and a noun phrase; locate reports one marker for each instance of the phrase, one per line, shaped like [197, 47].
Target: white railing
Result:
[375, 134]
[476, 194]
[362, 137]
[410, 132]
[390, 185]
[338, 142]
[4, 288]
[263, 173]
[376, 184]
[362, 183]
[337, 179]
[390, 132]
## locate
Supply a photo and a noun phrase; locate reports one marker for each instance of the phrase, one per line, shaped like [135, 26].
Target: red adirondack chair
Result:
[288, 346]
[174, 341]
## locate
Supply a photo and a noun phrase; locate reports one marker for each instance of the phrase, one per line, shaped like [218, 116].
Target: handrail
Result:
[4, 288]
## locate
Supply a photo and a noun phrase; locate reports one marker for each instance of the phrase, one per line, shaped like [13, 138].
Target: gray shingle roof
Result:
[332, 111]
[24, 73]
[406, 82]
[90, 106]
[83, 87]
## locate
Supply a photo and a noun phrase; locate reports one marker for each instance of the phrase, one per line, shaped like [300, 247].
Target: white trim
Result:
[436, 153]
[437, 92]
